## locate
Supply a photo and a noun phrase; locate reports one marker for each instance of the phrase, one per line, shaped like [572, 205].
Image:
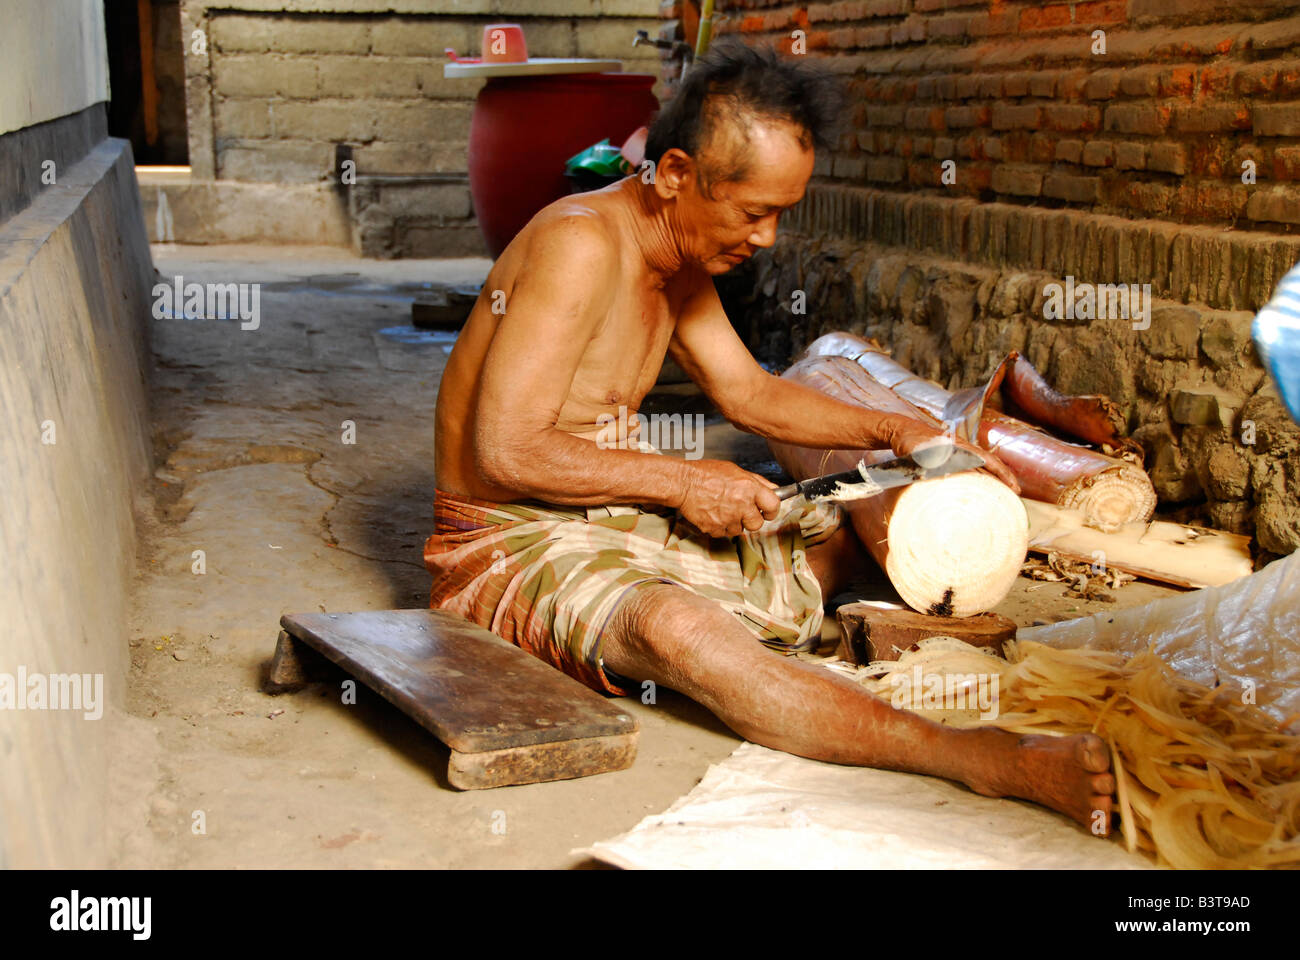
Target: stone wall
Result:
[276, 95]
[993, 148]
[1221, 448]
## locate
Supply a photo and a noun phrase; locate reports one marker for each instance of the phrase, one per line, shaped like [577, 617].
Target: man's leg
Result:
[837, 560]
[664, 633]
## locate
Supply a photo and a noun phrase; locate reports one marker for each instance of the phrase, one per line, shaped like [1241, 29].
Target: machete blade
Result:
[865, 481]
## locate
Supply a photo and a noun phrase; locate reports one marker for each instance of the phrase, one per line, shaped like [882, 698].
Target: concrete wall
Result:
[75, 278]
[74, 286]
[275, 92]
[53, 61]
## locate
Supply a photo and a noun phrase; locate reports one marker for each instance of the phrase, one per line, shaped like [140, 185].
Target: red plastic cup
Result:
[504, 43]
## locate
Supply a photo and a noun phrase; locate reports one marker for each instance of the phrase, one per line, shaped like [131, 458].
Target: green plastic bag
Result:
[602, 159]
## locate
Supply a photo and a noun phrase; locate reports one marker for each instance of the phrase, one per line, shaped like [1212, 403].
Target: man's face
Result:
[741, 216]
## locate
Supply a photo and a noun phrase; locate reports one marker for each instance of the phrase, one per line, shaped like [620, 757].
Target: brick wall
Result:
[276, 92]
[1024, 102]
[1122, 167]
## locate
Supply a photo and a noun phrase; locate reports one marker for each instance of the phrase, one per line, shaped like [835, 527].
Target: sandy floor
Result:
[253, 472]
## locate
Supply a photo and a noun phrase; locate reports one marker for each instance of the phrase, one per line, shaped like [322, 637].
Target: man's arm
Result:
[706, 346]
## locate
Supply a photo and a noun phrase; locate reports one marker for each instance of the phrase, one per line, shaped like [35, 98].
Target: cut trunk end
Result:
[1112, 498]
[956, 544]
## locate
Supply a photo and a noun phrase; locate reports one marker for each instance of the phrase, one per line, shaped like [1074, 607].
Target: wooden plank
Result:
[873, 631]
[561, 760]
[474, 691]
[1172, 553]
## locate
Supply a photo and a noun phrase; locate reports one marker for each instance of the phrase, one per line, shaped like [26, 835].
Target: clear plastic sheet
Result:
[1245, 633]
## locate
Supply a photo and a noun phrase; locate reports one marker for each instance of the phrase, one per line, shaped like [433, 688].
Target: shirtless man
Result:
[596, 289]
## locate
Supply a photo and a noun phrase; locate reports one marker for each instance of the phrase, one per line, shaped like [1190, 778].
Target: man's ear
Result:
[674, 173]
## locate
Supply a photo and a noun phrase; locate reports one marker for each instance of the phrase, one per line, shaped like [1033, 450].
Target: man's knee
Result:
[654, 628]
[656, 615]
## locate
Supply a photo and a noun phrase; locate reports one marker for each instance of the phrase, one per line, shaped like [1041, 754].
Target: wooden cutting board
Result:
[508, 717]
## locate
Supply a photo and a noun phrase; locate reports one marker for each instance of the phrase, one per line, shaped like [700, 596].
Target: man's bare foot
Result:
[1068, 774]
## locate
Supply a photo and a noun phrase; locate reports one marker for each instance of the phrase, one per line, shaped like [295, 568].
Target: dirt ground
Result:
[255, 472]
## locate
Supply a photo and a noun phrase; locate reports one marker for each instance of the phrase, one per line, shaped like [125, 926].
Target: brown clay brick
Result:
[1145, 118]
[885, 169]
[1101, 11]
[993, 24]
[1130, 156]
[1212, 117]
[1102, 85]
[1167, 158]
[959, 117]
[1140, 81]
[1045, 17]
[1098, 153]
[1042, 148]
[952, 27]
[1071, 116]
[1274, 204]
[1016, 85]
[1177, 81]
[1277, 119]
[1042, 83]
[1069, 151]
[1020, 181]
[1074, 189]
[1016, 118]
[1286, 163]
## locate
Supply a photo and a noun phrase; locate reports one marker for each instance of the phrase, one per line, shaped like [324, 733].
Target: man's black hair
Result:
[739, 84]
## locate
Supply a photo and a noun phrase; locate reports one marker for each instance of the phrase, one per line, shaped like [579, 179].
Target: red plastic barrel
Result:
[525, 128]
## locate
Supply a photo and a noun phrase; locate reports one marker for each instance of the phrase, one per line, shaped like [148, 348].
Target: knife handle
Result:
[788, 491]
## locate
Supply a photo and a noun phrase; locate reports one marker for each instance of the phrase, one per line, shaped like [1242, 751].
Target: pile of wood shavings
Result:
[1087, 581]
[1203, 779]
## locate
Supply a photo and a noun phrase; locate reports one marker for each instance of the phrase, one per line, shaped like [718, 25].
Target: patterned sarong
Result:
[547, 578]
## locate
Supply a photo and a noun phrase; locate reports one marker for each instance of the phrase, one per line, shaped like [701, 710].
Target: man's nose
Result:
[764, 234]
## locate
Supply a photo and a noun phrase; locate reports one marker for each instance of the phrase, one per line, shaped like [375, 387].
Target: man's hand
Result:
[723, 499]
[907, 436]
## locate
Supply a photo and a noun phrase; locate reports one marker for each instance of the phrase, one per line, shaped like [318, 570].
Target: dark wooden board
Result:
[560, 760]
[876, 633]
[474, 691]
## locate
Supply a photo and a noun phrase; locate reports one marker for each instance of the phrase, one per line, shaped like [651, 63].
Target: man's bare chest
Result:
[622, 360]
